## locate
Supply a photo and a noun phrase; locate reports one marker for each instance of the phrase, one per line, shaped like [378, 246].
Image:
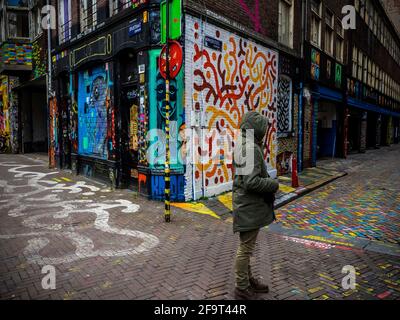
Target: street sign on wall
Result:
[175, 17]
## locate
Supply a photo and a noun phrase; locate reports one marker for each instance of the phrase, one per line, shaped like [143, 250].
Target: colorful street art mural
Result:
[8, 115]
[157, 139]
[315, 64]
[157, 116]
[95, 136]
[53, 126]
[287, 145]
[338, 75]
[284, 104]
[4, 116]
[38, 59]
[17, 54]
[226, 76]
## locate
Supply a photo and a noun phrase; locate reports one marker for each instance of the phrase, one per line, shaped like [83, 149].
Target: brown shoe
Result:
[258, 286]
[246, 294]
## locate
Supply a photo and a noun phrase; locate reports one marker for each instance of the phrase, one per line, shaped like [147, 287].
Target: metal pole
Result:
[167, 175]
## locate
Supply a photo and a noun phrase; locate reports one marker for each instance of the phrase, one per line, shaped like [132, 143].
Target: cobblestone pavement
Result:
[115, 245]
[365, 204]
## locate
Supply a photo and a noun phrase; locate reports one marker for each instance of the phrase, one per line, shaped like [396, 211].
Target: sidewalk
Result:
[220, 207]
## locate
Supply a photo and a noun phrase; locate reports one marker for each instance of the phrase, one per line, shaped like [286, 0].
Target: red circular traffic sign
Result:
[175, 59]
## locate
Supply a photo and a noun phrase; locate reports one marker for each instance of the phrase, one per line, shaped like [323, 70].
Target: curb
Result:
[303, 191]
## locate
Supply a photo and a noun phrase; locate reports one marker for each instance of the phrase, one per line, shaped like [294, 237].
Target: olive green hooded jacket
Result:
[252, 186]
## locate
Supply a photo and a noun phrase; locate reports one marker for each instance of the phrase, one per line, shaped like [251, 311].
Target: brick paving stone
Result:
[195, 253]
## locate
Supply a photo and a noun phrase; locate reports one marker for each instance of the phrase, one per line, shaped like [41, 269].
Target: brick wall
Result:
[257, 15]
[218, 91]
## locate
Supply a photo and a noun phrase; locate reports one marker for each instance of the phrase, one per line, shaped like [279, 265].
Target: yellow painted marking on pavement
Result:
[195, 207]
[229, 220]
[326, 276]
[286, 189]
[57, 180]
[226, 200]
[349, 293]
[106, 285]
[66, 179]
[117, 262]
[330, 284]
[322, 239]
[74, 269]
[68, 295]
[313, 290]
[323, 297]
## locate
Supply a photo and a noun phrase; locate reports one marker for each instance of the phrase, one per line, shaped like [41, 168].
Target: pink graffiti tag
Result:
[253, 14]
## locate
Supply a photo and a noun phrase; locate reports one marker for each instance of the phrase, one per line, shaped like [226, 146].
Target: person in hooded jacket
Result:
[253, 200]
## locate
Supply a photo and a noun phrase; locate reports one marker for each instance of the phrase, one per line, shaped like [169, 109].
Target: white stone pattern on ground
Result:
[43, 196]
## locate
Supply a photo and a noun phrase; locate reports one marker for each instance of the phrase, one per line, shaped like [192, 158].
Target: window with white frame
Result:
[362, 9]
[354, 60]
[369, 79]
[360, 66]
[36, 22]
[340, 42]
[316, 22]
[329, 25]
[367, 11]
[119, 5]
[286, 22]
[365, 65]
[88, 15]
[64, 20]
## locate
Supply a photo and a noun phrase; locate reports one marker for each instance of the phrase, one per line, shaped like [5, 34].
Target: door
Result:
[129, 135]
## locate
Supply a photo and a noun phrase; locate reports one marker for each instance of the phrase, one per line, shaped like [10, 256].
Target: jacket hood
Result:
[257, 122]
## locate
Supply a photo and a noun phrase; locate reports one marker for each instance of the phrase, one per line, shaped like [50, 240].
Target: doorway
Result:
[354, 133]
[128, 101]
[129, 109]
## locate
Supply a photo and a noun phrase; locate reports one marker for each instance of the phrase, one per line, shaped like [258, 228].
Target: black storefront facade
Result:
[100, 110]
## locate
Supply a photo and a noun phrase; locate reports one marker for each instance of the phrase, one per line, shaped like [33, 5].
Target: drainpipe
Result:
[300, 131]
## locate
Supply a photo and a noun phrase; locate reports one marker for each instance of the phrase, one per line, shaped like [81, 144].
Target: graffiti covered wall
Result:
[17, 54]
[93, 112]
[156, 138]
[225, 77]
[157, 116]
[287, 146]
[4, 116]
[39, 56]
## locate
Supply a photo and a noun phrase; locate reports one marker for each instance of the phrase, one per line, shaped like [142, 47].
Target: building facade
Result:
[23, 70]
[326, 91]
[351, 80]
